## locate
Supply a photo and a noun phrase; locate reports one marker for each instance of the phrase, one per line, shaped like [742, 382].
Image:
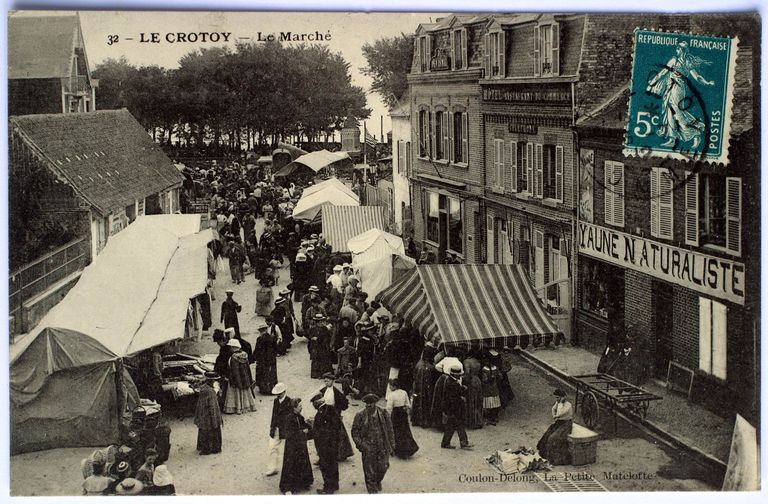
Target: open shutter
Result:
[432, 137]
[429, 53]
[536, 52]
[666, 220]
[407, 159]
[555, 49]
[464, 61]
[559, 173]
[487, 55]
[446, 125]
[453, 50]
[609, 194]
[490, 242]
[618, 194]
[502, 55]
[705, 335]
[733, 214]
[654, 202]
[691, 208]
[539, 162]
[529, 167]
[450, 156]
[564, 288]
[513, 166]
[465, 137]
[719, 340]
[539, 260]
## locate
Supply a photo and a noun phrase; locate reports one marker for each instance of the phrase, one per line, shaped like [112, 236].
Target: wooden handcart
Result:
[596, 391]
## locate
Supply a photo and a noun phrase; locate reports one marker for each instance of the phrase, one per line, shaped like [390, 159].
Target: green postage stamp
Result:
[681, 95]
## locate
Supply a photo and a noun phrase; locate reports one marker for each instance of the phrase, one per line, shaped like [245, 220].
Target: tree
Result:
[389, 62]
[115, 80]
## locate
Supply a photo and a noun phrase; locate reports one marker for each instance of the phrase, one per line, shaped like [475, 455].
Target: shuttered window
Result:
[661, 203]
[713, 329]
[512, 158]
[498, 163]
[465, 138]
[449, 154]
[559, 173]
[614, 193]
[691, 208]
[529, 168]
[546, 50]
[733, 214]
[539, 176]
[539, 259]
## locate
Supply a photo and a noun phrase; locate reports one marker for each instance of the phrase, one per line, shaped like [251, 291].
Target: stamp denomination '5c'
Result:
[681, 96]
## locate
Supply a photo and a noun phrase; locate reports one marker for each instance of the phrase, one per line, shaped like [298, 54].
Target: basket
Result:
[146, 416]
[582, 443]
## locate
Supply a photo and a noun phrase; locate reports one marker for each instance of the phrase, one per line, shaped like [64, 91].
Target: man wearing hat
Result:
[319, 346]
[352, 289]
[366, 349]
[266, 358]
[208, 417]
[335, 279]
[229, 310]
[553, 445]
[290, 316]
[452, 407]
[279, 315]
[350, 311]
[327, 429]
[373, 435]
[346, 271]
[281, 406]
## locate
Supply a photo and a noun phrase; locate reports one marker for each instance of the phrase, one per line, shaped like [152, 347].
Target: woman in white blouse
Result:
[399, 407]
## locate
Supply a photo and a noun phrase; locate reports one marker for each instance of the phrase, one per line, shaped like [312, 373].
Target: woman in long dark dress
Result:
[320, 348]
[398, 406]
[423, 387]
[265, 355]
[296, 475]
[208, 417]
[553, 445]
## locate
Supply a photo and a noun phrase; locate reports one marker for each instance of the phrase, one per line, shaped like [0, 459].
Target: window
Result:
[713, 211]
[424, 53]
[713, 337]
[494, 58]
[521, 167]
[433, 217]
[455, 228]
[460, 137]
[549, 172]
[557, 268]
[498, 164]
[661, 203]
[614, 193]
[441, 132]
[424, 133]
[140, 207]
[602, 286]
[459, 49]
[546, 50]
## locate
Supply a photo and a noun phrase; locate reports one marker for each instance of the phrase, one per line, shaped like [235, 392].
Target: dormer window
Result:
[425, 53]
[495, 55]
[546, 50]
[459, 48]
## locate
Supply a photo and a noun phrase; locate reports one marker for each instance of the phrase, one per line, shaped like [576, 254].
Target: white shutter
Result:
[453, 50]
[502, 55]
[432, 137]
[618, 194]
[539, 162]
[451, 133]
[559, 173]
[446, 128]
[498, 163]
[609, 192]
[487, 56]
[407, 159]
[564, 287]
[691, 208]
[733, 214]
[536, 52]
[719, 339]
[513, 166]
[705, 335]
[429, 53]
[529, 168]
[666, 219]
[490, 243]
[654, 202]
[465, 137]
[539, 259]
[555, 49]
[464, 62]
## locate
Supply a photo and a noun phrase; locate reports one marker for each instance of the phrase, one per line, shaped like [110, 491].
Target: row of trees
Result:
[256, 94]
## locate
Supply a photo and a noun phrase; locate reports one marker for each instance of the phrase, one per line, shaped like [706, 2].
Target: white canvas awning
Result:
[309, 206]
[331, 182]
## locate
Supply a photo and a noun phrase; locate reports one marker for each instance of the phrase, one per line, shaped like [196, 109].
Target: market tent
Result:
[340, 223]
[67, 389]
[309, 206]
[284, 154]
[331, 182]
[312, 163]
[373, 258]
[468, 304]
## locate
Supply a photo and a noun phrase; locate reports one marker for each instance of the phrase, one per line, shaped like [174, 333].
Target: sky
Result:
[349, 31]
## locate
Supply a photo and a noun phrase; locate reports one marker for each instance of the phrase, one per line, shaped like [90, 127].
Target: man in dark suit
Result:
[452, 406]
[329, 432]
[280, 408]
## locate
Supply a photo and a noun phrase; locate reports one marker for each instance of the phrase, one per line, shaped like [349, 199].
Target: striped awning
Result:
[340, 223]
[468, 304]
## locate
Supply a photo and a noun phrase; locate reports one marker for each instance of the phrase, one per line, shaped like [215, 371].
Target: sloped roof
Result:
[41, 47]
[340, 223]
[106, 156]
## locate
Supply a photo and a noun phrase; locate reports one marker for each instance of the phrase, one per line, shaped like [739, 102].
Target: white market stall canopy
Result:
[331, 182]
[136, 292]
[340, 223]
[374, 254]
[309, 206]
[320, 159]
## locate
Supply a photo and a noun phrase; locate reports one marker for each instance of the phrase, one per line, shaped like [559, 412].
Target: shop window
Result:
[713, 211]
[614, 193]
[455, 226]
[595, 280]
[433, 217]
[661, 203]
[712, 337]
[546, 50]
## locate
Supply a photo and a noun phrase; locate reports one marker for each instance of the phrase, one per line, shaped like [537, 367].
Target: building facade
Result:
[48, 70]
[401, 166]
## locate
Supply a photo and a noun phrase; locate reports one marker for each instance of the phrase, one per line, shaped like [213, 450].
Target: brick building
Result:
[48, 69]
[687, 216]
[446, 135]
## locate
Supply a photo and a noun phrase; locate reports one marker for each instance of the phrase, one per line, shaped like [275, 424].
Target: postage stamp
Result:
[681, 95]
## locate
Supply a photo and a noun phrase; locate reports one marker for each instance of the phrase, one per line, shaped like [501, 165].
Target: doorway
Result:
[662, 330]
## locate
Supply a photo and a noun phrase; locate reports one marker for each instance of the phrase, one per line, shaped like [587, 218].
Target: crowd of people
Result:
[355, 345]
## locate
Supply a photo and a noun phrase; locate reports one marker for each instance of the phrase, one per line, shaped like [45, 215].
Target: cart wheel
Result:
[590, 410]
